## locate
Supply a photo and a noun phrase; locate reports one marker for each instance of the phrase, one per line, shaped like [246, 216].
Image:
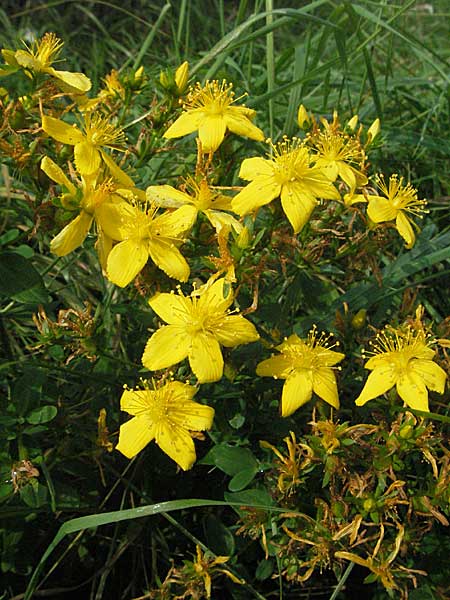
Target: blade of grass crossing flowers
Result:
[300, 60]
[342, 581]
[180, 28]
[270, 60]
[235, 37]
[93, 521]
[417, 46]
[150, 36]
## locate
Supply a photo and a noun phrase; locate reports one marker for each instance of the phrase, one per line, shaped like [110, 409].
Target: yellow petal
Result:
[87, 158]
[205, 358]
[193, 416]
[135, 402]
[176, 443]
[379, 381]
[404, 228]
[60, 131]
[126, 260]
[241, 125]
[234, 330]
[117, 173]
[175, 223]
[252, 168]
[380, 209]
[134, 435]
[279, 366]
[297, 205]
[73, 82]
[211, 132]
[349, 175]
[172, 308]
[56, 174]
[72, 236]
[185, 124]
[433, 376]
[261, 191]
[181, 393]
[297, 390]
[167, 196]
[328, 167]
[168, 346]
[215, 297]
[103, 246]
[115, 219]
[324, 385]
[168, 258]
[412, 391]
[27, 61]
[220, 219]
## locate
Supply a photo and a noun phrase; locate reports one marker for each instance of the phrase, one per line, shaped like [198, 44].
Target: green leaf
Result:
[262, 497]
[20, 280]
[242, 479]
[218, 537]
[264, 570]
[34, 494]
[230, 459]
[43, 414]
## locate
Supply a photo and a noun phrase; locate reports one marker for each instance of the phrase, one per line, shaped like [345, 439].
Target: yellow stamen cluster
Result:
[46, 50]
[402, 197]
[291, 158]
[214, 96]
[407, 341]
[101, 132]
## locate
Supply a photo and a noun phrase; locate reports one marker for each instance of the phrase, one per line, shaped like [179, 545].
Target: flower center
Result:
[214, 97]
[290, 160]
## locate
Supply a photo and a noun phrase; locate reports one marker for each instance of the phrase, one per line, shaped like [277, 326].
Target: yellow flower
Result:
[399, 200]
[167, 415]
[209, 110]
[335, 153]
[39, 59]
[142, 233]
[403, 359]
[89, 197]
[203, 199]
[197, 326]
[286, 173]
[88, 152]
[307, 367]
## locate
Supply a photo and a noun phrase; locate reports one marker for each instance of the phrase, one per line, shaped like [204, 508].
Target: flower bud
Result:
[182, 76]
[353, 123]
[303, 117]
[373, 130]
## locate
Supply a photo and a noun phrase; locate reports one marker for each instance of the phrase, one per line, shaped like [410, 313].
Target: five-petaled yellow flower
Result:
[167, 415]
[39, 58]
[197, 326]
[141, 234]
[98, 133]
[209, 110]
[288, 174]
[88, 198]
[202, 199]
[338, 153]
[307, 365]
[398, 201]
[403, 359]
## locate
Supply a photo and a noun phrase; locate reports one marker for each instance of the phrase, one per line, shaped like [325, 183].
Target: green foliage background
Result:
[374, 59]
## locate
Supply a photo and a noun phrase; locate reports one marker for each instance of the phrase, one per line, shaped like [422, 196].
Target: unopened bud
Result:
[353, 123]
[359, 320]
[303, 117]
[243, 239]
[182, 76]
[373, 130]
